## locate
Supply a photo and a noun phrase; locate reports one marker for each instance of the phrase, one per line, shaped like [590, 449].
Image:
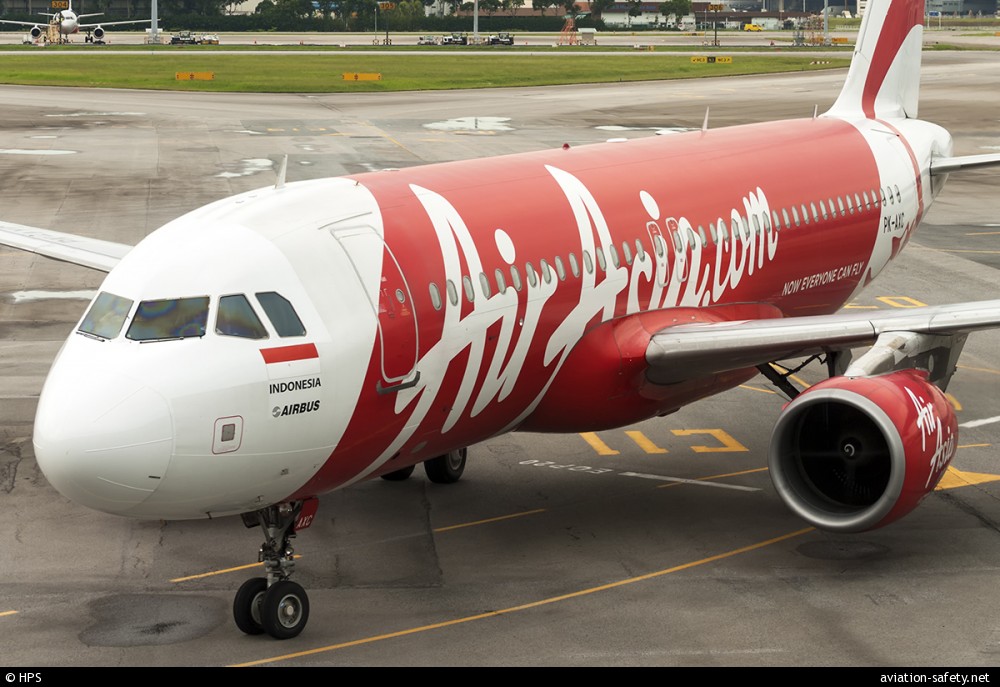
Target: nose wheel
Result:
[274, 604]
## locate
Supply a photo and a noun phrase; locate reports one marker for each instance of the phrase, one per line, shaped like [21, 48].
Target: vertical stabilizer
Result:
[884, 79]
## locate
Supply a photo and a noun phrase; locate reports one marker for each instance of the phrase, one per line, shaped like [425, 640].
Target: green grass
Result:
[311, 73]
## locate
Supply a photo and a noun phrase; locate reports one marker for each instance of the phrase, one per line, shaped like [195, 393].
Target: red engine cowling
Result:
[853, 454]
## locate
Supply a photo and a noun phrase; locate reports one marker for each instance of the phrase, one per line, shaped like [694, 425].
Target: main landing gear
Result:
[274, 604]
[446, 469]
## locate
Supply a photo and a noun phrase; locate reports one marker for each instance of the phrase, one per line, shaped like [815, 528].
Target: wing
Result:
[683, 351]
[79, 250]
[114, 23]
[21, 23]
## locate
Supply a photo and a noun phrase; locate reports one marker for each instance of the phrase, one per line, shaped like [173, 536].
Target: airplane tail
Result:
[883, 81]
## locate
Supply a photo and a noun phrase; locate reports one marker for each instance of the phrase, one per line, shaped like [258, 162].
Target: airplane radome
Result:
[365, 324]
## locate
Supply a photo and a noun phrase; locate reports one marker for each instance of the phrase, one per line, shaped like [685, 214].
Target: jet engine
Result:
[854, 454]
[98, 33]
[36, 32]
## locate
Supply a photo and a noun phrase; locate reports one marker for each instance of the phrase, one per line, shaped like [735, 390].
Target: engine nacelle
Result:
[853, 454]
[98, 33]
[36, 32]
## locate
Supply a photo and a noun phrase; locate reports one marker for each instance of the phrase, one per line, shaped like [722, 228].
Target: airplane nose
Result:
[102, 441]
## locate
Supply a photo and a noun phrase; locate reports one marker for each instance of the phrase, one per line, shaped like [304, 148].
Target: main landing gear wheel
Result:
[446, 469]
[247, 605]
[285, 610]
[398, 475]
[273, 604]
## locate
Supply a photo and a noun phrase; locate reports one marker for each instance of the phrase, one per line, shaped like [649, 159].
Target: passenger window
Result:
[627, 252]
[640, 252]
[784, 216]
[815, 214]
[281, 313]
[436, 296]
[805, 213]
[601, 260]
[515, 277]
[614, 256]
[470, 293]
[532, 276]
[746, 226]
[822, 207]
[237, 318]
[658, 245]
[767, 222]
[777, 220]
[857, 202]
[714, 234]
[899, 198]
[574, 266]
[724, 232]
[175, 318]
[868, 203]
[546, 271]
[840, 203]
[560, 270]
[701, 235]
[756, 225]
[452, 292]
[588, 262]
[795, 215]
[106, 316]
[501, 282]
[484, 283]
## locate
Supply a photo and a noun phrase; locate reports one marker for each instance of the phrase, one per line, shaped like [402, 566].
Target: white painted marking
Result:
[98, 114]
[695, 482]
[250, 167]
[472, 124]
[25, 151]
[247, 131]
[979, 423]
[659, 131]
[43, 137]
[30, 296]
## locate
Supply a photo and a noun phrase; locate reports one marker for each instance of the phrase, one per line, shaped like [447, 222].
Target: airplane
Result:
[280, 344]
[69, 23]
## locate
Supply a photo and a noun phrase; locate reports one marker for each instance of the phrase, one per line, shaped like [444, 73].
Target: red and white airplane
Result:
[69, 23]
[277, 345]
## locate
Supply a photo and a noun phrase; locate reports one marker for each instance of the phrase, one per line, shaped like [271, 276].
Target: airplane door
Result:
[391, 302]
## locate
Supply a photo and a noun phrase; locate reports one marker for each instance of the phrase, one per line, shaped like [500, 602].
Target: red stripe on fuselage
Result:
[286, 354]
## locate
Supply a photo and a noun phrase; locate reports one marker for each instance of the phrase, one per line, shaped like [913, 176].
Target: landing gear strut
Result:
[274, 604]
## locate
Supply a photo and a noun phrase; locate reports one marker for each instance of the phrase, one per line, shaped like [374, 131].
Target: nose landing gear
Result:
[274, 604]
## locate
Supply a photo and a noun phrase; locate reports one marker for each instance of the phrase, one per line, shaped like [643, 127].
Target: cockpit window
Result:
[173, 318]
[237, 318]
[106, 316]
[281, 313]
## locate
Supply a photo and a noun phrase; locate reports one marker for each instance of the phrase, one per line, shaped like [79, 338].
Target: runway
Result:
[661, 544]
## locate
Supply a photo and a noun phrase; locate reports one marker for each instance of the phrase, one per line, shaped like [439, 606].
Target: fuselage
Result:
[290, 341]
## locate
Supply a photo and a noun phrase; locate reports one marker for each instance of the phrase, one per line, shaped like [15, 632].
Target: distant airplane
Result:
[283, 343]
[69, 23]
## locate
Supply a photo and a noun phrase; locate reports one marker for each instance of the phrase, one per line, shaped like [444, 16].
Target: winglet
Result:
[884, 79]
